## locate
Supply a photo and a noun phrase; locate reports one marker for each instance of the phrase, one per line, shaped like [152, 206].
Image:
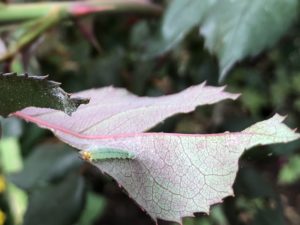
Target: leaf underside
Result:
[19, 92]
[172, 175]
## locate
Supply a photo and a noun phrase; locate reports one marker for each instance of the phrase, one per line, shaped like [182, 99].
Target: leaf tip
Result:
[278, 118]
[271, 131]
[224, 71]
[203, 84]
[235, 96]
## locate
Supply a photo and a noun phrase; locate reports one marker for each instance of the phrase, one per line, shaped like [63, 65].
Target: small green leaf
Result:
[18, 92]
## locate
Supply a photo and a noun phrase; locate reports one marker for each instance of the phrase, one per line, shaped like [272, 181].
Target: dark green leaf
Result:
[18, 92]
[46, 163]
[258, 198]
[56, 204]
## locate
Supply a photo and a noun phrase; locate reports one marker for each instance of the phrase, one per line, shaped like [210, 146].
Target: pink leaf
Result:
[172, 175]
[116, 111]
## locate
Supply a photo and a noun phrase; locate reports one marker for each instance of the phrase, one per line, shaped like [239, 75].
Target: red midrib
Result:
[45, 124]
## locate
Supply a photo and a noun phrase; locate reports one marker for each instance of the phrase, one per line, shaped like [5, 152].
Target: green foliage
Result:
[37, 18]
[232, 29]
[45, 164]
[47, 204]
[50, 177]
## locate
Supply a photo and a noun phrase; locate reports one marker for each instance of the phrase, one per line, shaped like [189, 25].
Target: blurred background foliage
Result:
[43, 182]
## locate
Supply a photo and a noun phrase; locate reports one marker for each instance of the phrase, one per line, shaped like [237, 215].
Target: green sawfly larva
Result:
[105, 153]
